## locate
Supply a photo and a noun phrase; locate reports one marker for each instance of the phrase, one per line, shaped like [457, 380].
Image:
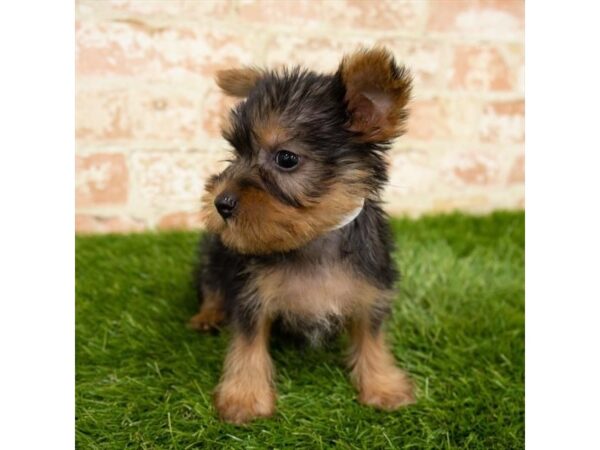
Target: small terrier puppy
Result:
[297, 234]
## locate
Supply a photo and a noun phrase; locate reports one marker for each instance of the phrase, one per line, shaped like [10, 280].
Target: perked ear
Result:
[238, 82]
[377, 91]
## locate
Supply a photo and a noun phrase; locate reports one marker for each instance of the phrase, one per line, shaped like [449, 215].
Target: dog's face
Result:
[308, 149]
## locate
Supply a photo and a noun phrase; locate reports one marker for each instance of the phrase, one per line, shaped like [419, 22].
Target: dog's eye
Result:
[286, 160]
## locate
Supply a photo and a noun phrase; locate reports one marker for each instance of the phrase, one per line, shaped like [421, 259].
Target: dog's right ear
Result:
[238, 82]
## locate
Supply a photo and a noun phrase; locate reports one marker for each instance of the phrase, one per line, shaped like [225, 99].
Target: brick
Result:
[431, 172]
[517, 171]
[485, 68]
[422, 181]
[412, 173]
[177, 9]
[305, 13]
[172, 180]
[503, 122]
[101, 179]
[146, 112]
[427, 120]
[427, 61]
[477, 17]
[447, 119]
[471, 168]
[183, 220]
[132, 47]
[153, 10]
[375, 15]
[321, 53]
[103, 116]
[215, 110]
[88, 223]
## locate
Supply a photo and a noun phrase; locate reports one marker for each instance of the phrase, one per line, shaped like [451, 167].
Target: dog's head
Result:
[308, 150]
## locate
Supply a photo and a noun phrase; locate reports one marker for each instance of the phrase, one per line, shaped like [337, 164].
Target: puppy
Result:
[296, 230]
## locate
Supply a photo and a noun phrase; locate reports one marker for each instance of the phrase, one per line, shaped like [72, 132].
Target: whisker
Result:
[398, 187]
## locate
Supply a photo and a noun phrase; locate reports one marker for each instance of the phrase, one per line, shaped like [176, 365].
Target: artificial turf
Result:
[143, 380]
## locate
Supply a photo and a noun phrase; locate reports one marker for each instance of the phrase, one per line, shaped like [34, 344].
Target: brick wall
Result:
[147, 108]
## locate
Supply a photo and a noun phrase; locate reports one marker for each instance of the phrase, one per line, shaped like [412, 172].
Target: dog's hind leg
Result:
[209, 284]
[211, 313]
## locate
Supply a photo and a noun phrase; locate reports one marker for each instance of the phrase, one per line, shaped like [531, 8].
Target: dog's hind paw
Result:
[206, 320]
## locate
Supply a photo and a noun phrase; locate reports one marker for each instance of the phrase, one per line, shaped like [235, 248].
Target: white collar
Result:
[350, 216]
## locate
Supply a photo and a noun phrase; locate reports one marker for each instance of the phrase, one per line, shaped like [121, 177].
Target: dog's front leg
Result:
[374, 373]
[246, 390]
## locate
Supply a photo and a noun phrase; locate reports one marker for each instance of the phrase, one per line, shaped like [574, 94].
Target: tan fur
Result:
[270, 134]
[262, 224]
[211, 312]
[238, 82]
[376, 94]
[331, 290]
[246, 390]
[379, 382]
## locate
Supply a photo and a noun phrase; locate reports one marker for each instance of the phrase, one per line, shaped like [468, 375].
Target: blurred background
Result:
[147, 109]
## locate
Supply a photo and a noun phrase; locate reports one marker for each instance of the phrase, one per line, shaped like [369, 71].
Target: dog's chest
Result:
[314, 292]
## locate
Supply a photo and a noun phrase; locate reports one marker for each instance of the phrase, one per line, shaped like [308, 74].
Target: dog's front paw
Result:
[238, 405]
[388, 391]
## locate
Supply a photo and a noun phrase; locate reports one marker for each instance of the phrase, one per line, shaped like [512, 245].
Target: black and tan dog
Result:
[297, 233]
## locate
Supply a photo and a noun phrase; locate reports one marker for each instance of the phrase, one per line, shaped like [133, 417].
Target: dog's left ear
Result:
[238, 82]
[377, 91]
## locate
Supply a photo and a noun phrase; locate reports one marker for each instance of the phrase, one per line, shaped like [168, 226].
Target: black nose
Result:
[225, 204]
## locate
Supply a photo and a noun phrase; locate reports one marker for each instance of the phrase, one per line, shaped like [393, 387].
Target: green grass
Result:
[145, 381]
